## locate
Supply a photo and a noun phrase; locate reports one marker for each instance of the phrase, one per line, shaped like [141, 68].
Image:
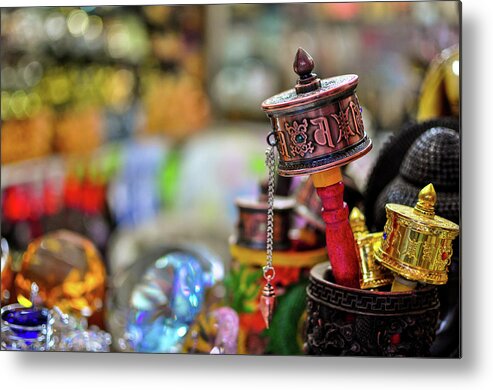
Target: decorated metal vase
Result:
[417, 244]
[244, 287]
[343, 321]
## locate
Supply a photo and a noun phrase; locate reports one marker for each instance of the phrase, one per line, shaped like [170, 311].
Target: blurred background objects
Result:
[139, 126]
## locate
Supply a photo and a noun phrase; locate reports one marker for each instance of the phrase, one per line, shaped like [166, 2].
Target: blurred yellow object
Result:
[68, 270]
[440, 91]
[28, 138]
[175, 105]
[79, 130]
[24, 301]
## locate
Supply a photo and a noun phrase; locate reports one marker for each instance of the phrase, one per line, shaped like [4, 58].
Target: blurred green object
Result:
[169, 177]
[257, 165]
[285, 334]
[242, 289]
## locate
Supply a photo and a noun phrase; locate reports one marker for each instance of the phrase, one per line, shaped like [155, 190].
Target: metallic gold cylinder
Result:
[416, 243]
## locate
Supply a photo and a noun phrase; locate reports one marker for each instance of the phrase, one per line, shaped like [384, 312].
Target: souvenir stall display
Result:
[148, 207]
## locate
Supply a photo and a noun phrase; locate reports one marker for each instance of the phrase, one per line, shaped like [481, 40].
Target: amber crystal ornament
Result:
[69, 272]
[416, 243]
[372, 273]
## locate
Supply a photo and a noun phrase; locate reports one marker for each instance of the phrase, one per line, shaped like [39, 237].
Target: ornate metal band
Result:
[369, 302]
[323, 137]
[374, 282]
[335, 159]
[411, 272]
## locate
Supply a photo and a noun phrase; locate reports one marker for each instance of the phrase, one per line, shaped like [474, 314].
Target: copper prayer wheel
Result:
[318, 124]
[252, 222]
[317, 128]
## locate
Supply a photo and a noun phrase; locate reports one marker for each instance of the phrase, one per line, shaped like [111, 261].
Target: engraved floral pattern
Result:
[342, 120]
[299, 138]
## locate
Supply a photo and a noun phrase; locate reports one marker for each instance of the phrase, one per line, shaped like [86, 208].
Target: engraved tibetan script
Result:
[298, 137]
[322, 135]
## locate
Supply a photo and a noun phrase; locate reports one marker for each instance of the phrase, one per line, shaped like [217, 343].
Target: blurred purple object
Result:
[227, 334]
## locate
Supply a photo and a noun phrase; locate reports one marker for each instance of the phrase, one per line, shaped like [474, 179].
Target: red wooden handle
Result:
[339, 236]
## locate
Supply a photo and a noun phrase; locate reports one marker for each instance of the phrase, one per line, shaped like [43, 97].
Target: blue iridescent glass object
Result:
[165, 303]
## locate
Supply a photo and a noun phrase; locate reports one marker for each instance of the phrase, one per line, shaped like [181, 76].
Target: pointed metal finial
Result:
[303, 65]
[426, 201]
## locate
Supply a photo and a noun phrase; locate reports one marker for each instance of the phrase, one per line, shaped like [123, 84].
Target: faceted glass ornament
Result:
[165, 302]
[148, 310]
[7, 274]
[86, 340]
[69, 333]
[68, 270]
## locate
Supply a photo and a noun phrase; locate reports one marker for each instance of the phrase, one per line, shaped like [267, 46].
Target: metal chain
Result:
[270, 161]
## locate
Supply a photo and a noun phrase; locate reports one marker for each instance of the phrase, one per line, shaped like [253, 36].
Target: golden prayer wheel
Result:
[372, 273]
[417, 244]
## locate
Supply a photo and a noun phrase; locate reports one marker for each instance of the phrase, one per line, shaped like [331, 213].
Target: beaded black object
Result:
[389, 164]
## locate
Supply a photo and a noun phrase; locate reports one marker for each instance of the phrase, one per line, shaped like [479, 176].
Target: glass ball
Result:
[165, 302]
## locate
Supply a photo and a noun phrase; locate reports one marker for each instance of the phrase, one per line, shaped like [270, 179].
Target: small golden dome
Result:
[427, 199]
